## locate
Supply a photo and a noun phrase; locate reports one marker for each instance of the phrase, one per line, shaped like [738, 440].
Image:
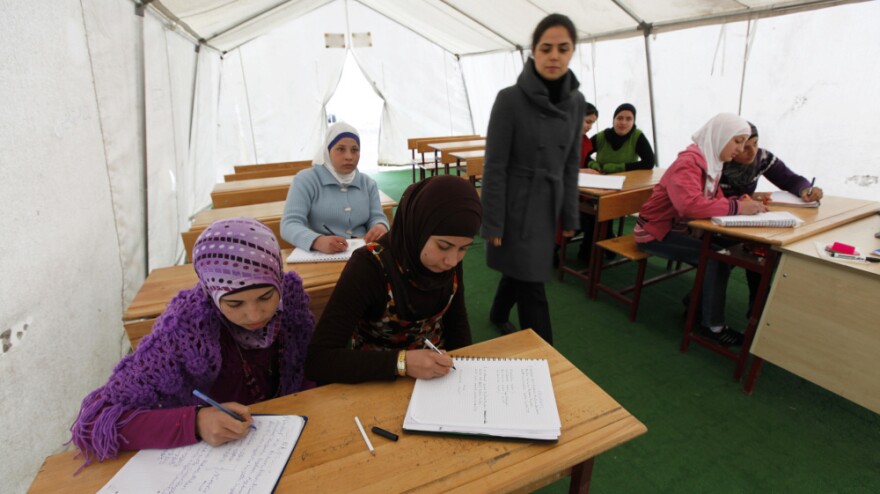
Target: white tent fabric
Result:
[115, 129]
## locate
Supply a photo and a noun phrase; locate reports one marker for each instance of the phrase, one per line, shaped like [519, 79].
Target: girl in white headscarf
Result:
[689, 190]
[333, 201]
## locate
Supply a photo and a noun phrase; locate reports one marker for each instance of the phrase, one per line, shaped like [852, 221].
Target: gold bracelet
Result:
[401, 363]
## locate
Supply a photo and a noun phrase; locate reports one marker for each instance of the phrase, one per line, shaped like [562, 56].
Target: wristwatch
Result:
[401, 363]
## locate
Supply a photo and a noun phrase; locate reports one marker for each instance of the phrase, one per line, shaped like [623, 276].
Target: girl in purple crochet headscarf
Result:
[240, 336]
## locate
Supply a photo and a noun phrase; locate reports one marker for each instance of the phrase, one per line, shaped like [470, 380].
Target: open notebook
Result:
[252, 464]
[302, 255]
[773, 219]
[785, 198]
[510, 398]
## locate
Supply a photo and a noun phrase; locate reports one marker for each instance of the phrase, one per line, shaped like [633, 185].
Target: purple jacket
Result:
[738, 179]
[182, 353]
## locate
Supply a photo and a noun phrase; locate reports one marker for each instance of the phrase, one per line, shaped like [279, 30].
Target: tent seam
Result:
[106, 160]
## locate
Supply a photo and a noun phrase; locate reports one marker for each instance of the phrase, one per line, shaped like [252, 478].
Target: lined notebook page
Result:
[485, 395]
[252, 464]
[302, 255]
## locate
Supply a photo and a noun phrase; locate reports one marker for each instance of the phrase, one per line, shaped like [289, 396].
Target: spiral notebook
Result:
[772, 219]
[510, 398]
[302, 255]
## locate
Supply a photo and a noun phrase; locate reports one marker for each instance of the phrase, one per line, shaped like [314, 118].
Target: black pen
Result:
[331, 231]
[432, 347]
[810, 190]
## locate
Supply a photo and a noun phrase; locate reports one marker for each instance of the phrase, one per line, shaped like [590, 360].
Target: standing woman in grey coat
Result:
[530, 175]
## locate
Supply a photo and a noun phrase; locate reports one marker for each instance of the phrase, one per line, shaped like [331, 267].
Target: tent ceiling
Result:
[467, 27]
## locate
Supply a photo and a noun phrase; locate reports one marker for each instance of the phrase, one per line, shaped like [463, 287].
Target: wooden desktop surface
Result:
[637, 188]
[331, 455]
[833, 212]
[458, 145]
[822, 315]
[163, 284]
[267, 211]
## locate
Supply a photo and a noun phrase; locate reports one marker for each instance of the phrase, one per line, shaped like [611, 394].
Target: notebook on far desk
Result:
[302, 255]
[772, 219]
[509, 398]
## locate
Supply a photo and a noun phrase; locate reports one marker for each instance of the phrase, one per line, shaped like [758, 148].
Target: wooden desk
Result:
[822, 315]
[473, 160]
[319, 280]
[253, 191]
[283, 171]
[444, 148]
[606, 205]
[834, 212]
[420, 145]
[331, 456]
[268, 213]
[269, 166]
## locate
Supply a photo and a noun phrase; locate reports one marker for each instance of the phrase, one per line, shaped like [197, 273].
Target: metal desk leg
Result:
[766, 271]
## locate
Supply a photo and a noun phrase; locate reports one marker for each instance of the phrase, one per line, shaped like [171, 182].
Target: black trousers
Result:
[531, 304]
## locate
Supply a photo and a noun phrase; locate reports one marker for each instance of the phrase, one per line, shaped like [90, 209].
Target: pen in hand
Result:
[202, 396]
[432, 347]
[329, 230]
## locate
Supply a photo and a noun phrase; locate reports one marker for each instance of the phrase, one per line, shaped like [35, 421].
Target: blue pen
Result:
[812, 184]
[202, 396]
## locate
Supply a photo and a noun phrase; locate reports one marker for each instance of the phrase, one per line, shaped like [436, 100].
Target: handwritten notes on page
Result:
[252, 464]
[495, 397]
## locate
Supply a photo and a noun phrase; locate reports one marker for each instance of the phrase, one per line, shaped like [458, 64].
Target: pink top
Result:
[680, 197]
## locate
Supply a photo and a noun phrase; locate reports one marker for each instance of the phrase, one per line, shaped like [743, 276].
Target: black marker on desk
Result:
[849, 257]
[384, 433]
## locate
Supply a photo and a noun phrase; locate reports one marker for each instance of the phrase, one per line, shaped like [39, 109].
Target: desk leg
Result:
[766, 271]
[696, 291]
[581, 475]
[754, 372]
[458, 167]
[600, 232]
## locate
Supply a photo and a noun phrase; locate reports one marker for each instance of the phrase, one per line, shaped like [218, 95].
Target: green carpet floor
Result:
[704, 434]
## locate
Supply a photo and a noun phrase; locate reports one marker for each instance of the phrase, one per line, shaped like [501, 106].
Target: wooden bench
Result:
[252, 191]
[627, 248]
[285, 171]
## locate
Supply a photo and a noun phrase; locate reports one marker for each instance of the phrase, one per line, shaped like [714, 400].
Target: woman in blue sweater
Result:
[332, 202]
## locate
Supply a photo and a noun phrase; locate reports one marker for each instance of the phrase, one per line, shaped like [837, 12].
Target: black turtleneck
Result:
[553, 87]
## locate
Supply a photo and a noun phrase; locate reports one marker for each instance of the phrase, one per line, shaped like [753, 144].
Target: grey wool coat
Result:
[530, 174]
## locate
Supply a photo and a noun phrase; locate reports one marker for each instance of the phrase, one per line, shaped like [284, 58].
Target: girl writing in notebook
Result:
[398, 292]
[533, 155]
[333, 201]
[239, 336]
[740, 177]
[690, 190]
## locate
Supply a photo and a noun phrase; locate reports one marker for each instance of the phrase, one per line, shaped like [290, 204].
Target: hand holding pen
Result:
[220, 424]
[330, 244]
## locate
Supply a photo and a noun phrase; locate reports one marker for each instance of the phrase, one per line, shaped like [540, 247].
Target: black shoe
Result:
[505, 327]
[726, 337]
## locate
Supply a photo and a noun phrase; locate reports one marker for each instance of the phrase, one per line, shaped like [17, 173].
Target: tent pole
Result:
[467, 96]
[748, 49]
[139, 11]
[647, 30]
